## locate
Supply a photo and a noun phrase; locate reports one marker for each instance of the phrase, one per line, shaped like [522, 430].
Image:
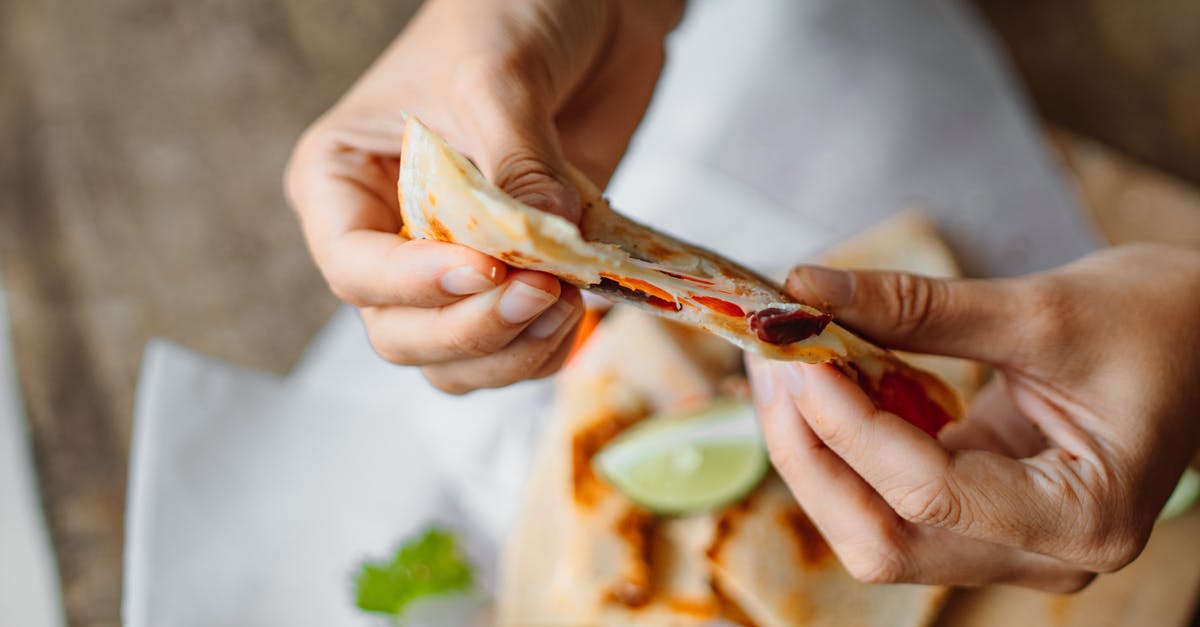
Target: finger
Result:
[373, 269]
[516, 141]
[867, 536]
[1043, 504]
[476, 326]
[530, 356]
[346, 200]
[559, 357]
[944, 558]
[871, 541]
[977, 319]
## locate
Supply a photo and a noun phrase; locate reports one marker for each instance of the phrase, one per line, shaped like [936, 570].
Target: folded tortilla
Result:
[444, 197]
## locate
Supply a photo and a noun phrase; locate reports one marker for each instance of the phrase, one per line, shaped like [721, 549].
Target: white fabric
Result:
[29, 593]
[780, 127]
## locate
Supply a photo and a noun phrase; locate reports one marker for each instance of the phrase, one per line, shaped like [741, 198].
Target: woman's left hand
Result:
[1065, 458]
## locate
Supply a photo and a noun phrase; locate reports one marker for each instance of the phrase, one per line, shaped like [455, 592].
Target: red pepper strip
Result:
[720, 306]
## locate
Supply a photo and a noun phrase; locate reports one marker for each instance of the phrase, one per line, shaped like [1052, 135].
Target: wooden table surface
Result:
[139, 181]
[143, 146]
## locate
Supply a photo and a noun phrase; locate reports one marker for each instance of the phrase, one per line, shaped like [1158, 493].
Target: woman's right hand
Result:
[522, 88]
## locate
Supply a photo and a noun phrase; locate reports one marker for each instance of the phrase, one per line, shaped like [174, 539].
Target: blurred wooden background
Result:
[139, 194]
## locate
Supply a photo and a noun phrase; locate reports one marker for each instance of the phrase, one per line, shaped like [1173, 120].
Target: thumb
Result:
[519, 151]
[976, 319]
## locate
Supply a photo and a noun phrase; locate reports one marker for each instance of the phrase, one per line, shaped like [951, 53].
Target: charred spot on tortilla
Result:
[726, 523]
[730, 610]
[635, 589]
[437, 230]
[586, 486]
[516, 258]
[776, 325]
[698, 608]
[813, 549]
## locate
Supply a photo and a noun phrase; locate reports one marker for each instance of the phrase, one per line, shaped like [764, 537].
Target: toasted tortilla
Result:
[444, 197]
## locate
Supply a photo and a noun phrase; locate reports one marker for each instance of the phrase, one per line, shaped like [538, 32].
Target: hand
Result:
[522, 88]
[1065, 458]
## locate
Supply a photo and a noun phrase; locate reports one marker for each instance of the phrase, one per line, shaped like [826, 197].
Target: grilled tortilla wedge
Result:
[444, 197]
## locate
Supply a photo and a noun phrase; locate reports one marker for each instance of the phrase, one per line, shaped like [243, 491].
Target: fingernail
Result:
[464, 280]
[789, 375]
[521, 302]
[835, 288]
[550, 322]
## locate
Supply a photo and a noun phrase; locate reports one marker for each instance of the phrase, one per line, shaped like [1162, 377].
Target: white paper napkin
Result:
[253, 500]
[780, 127]
[28, 581]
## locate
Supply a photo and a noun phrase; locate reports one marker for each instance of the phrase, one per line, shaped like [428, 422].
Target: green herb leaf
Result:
[427, 566]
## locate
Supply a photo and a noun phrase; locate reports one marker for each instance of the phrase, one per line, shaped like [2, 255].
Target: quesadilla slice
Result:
[767, 557]
[581, 553]
[444, 197]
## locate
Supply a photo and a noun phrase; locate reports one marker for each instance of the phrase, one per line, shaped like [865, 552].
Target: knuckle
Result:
[390, 351]
[521, 173]
[1047, 300]
[293, 178]
[1118, 549]
[447, 384]
[884, 563]
[1108, 535]
[914, 300]
[1070, 583]
[783, 458]
[343, 293]
[933, 503]
[840, 434]
[338, 276]
[470, 342]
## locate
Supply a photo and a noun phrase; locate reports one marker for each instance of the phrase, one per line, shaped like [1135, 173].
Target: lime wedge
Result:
[689, 462]
[1186, 493]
